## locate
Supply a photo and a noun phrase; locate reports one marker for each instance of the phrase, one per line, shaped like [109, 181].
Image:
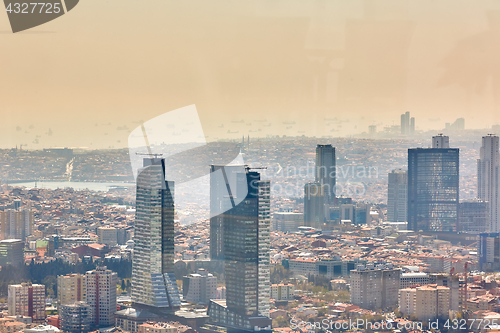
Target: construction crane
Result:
[254, 168]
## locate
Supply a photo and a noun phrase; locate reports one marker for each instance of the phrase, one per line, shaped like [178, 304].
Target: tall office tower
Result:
[27, 299]
[433, 189]
[71, 288]
[489, 251]
[488, 179]
[314, 205]
[412, 126]
[405, 123]
[440, 141]
[325, 170]
[11, 252]
[75, 317]
[246, 244]
[101, 296]
[397, 192]
[153, 280]
[223, 180]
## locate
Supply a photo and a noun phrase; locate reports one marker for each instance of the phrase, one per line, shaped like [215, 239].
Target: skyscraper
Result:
[11, 252]
[325, 172]
[488, 178]
[440, 141]
[397, 193]
[407, 124]
[246, 243]
[314, 205]
[223, 180]
[433, 189]
[154, 286]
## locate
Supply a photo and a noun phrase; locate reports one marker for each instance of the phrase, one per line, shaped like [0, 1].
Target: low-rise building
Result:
[283, 292]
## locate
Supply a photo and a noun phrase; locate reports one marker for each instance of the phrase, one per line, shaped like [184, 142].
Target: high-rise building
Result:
[315, 200]
[412, 126]
[488, 179]
[489, 251]
[27, 299]
[405, 123]
[440, 141]
[375, 287]
[101, 296]
[287, 221]
[246, 244]
[223, 181]
[71, 288]
[325, 170]
[397, 193]
[433, 189]
[200, 287]
[153, 280]
[11, 252]
[75, 317]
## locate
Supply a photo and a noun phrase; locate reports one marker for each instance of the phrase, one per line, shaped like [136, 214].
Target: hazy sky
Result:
[281, 66]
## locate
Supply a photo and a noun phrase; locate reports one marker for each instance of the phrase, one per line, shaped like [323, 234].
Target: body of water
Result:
[93, 186]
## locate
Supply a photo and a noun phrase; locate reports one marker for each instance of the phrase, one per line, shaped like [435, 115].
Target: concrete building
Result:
[283, 292]
[329, 268]
[287, 221]
[107, 235]
[16, 223]
[425, 303]
[375, 287]
[397, 196]
[440, 141]
[42, 329]
[76, 317]
[488, 178]
[27, 299]
[71, 288]
[101, 296]
[11, 252]
[200, 287]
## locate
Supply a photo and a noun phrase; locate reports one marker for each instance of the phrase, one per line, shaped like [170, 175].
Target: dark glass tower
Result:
[246, 250]
[315, 200]
[325, 173]
[154, 286]
[433, 178]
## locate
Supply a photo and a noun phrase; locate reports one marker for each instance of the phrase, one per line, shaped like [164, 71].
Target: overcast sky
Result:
[280, 66]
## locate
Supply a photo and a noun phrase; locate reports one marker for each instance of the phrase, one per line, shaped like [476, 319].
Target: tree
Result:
[123, 286]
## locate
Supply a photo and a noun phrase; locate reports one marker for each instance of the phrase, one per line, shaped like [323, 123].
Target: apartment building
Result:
[101, 296]
[27, 299]
[283, 292]
[71, 288]
[426, 302]
[200, 287]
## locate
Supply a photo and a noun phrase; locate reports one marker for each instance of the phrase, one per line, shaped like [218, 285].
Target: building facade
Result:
[200, 287]
[433, 189]
[11, 252]
[473, 216]
[107, 235]
[246, 244]
[397, 193]
[153, 280]
[375, 287]
[315, 199]
[425, 303]
[71, 288]
[27, 299]
[283, 292]
[75, 317]
[488, 178]
[325, 170]
[101, 296]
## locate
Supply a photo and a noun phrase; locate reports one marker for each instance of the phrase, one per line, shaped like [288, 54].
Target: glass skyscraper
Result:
[246, 246]
[154, 286]
[433, 179]
[325, 171]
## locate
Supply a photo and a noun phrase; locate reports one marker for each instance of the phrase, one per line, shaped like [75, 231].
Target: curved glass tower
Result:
[153, 280]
